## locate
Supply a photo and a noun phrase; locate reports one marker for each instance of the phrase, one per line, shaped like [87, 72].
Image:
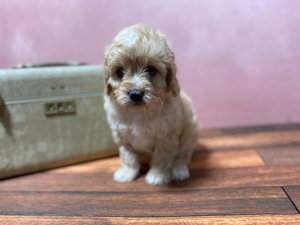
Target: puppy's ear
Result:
[171, 80]
[106, 69]
[108, 87]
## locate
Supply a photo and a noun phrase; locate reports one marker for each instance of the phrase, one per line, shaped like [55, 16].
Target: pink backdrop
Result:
[238, 60]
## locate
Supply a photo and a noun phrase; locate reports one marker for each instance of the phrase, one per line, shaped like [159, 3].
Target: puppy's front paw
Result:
[125, 174]
[158, 177]
[180, 173]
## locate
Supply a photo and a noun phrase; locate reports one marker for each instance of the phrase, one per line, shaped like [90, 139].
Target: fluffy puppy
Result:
[149, 116]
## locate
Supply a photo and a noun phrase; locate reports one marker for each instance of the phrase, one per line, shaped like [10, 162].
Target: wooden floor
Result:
[238, 176]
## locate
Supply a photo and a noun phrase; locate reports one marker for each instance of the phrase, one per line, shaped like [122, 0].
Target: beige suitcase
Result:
[51, 117]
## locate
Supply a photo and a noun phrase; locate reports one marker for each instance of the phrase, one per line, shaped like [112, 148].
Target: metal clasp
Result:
[2, 109]
[60, 108]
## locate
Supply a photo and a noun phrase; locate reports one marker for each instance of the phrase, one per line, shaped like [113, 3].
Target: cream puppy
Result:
[150, 118]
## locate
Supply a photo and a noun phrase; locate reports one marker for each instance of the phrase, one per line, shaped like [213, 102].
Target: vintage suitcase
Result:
[51, 117]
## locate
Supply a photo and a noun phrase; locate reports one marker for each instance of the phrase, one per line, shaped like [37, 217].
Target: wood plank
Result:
[200, 179]
[109, 165]
[201, 160]
[239, 201]
[226, 159]
[217, 220]
[281, 155]
[252, 140]
[294, 195]
[229, 185]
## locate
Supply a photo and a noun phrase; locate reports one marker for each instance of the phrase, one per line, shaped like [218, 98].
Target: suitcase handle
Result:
[51, 64]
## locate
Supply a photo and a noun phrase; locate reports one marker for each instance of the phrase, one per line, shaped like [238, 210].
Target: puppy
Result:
[149, 116]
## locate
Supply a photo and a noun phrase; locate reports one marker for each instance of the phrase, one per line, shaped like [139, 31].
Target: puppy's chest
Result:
[140, 137]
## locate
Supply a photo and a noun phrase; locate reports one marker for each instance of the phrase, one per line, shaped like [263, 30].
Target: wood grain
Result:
[238, 176]
[294, 195]
[200, 160]
[200, 179]
[239, 201]
[281, 155]
[216, 220]
[226, 159]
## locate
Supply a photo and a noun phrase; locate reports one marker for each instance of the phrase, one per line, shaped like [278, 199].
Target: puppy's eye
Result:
[151, 71]
[120, 72]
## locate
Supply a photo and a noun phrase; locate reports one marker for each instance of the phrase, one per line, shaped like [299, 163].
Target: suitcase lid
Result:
[50, 81]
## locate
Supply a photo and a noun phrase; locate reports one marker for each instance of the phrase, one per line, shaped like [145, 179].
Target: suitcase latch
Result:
[60, 108]
[2, 110]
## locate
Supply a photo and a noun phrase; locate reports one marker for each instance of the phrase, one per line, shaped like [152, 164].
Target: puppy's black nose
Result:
[136, 95]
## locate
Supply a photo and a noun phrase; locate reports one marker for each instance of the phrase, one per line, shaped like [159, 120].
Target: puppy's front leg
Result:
[130, 165]
[161, 162]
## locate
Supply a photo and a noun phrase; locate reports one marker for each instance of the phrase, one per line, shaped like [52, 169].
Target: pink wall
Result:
[238, 60]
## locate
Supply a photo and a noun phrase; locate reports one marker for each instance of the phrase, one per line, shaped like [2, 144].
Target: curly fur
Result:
[162, 128]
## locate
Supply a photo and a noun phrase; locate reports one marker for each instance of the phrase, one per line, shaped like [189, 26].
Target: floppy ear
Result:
[171, 80]
[108, 88]
[106, 72]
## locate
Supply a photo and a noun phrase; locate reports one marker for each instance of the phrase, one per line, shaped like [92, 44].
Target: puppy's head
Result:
[139, 69]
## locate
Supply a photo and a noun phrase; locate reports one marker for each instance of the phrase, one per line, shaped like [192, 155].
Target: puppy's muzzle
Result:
[136, 96]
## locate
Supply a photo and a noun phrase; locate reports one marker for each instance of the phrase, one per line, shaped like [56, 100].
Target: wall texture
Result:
[238, 60]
